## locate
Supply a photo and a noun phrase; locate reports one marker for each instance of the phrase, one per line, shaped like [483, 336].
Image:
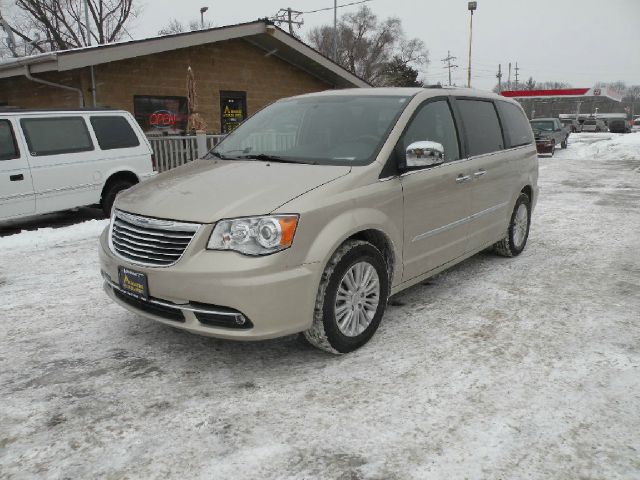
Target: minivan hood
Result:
[205, 191]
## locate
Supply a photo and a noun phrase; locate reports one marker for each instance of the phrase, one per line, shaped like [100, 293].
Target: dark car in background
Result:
[594, 125]
[619, 125]
[549, 133]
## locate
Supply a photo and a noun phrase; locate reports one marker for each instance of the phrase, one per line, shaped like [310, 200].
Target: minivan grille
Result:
[149, 241]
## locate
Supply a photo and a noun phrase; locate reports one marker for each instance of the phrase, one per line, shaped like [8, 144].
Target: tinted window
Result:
[434, 122]
[481, 125]
[51, 136]
[114, 132]
[8, 147]
[547, 126]
[516, 126]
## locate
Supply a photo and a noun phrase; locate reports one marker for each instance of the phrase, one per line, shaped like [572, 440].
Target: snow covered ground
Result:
[499, 368]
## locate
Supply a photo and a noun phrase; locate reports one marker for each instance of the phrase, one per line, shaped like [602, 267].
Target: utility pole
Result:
[471, 6]
[499, 77]
[509, 77]
[516, 69]
[290, 17]
[335, 31]
[448, 65]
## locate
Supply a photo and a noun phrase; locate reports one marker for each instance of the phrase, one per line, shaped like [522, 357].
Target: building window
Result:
[161, 115]
[56, 135]
[114, 132]
[233, 110]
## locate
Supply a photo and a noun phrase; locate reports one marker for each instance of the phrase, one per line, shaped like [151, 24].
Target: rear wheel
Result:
[351, 298]
[111, 191]
[518, 232]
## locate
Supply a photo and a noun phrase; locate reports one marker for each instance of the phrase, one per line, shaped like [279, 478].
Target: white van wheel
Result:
[110, 194]
[351, 298]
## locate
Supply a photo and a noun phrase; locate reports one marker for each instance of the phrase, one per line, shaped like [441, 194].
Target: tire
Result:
[564, 143]
[514, 242]
[553, 148]
[326, 333]
[110, 193]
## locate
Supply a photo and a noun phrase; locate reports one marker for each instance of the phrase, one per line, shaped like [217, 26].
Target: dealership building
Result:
[238, 69]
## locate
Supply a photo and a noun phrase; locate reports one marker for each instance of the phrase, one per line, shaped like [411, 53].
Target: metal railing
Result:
[171, 151]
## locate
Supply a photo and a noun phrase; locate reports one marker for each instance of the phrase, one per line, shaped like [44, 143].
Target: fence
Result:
[171, 151]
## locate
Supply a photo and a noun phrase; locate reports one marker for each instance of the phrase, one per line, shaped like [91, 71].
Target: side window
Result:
[517, 128]
[55, 135]
[434, 122]
[481, 126]
[114, 132]
[8, 146]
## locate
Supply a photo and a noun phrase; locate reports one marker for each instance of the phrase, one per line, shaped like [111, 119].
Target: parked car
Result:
[318, 208]
[619, 125]
[549, 133]
[571, 124]
[53, 160]
[636, 125]
[594, 125]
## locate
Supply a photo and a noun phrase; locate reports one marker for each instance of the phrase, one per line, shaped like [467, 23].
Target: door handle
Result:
[16, 178]
[479, 173]
[462, 178]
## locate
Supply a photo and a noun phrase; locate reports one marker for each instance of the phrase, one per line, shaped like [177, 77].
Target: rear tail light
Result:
[153, 162]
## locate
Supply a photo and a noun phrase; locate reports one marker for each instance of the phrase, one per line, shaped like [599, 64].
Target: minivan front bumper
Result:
[221, 294]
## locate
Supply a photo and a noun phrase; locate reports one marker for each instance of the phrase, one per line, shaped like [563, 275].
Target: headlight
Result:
[254, 235]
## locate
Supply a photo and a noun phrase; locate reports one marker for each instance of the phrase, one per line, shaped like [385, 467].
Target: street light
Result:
[472, 6]
[202, 10]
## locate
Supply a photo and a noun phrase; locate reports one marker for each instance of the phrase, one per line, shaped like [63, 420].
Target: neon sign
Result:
[163, 119]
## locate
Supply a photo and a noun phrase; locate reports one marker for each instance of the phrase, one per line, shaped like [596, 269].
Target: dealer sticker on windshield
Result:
[134, 283]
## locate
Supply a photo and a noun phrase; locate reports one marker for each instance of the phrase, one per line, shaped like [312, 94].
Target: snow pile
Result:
[49, 237]
[602, 146]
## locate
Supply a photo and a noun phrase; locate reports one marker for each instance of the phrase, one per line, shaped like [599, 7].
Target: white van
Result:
[52, 160]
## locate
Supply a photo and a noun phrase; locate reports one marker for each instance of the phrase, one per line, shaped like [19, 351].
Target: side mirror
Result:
[424, 154]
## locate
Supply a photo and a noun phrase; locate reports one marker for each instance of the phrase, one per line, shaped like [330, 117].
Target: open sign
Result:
[163, 119]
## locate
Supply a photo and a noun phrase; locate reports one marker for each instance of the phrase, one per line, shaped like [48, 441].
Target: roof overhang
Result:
[261, 34]
[560, 93]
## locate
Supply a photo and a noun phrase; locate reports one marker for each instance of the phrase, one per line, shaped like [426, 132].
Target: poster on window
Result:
[161, 115]
[233, 110]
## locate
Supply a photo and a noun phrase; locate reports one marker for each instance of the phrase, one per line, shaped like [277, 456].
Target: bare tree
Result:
[367, 46]
[60, 24]
[176, 26]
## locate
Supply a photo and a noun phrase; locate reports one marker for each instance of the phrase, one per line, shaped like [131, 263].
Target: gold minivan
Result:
[318, 208]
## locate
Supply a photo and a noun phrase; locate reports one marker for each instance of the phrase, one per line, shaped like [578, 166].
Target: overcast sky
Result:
[575, 41]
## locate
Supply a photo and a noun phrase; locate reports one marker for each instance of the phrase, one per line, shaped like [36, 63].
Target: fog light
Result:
[240, 320]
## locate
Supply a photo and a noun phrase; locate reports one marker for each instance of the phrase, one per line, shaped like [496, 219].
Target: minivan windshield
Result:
[323, 130]
[545, 125]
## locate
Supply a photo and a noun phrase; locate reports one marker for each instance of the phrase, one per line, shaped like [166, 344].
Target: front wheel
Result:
[553, 148]
[564, 143]
[351, 298]
[514, 242]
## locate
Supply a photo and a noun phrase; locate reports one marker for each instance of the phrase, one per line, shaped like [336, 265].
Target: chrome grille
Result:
[149, 241]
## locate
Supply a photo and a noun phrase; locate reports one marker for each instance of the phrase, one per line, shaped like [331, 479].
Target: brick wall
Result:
[229, 65]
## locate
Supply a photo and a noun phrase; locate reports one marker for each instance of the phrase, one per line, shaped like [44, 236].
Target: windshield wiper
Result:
[212, 154]
[271, 158]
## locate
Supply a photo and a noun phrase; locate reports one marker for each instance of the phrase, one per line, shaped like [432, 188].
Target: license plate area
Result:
[133, 283]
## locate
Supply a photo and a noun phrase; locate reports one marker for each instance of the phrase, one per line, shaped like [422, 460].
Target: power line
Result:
[288, 16]
[338, 6]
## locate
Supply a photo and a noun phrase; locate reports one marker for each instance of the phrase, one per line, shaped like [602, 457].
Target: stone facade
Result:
[234, 65]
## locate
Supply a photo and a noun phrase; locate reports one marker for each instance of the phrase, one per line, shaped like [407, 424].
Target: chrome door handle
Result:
[479, 173]
[462, 178]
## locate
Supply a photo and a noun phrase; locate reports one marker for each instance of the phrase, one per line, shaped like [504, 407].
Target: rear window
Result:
[114, 132]
[481, 126]
[8, 146]
[516, 126]
[56, 135]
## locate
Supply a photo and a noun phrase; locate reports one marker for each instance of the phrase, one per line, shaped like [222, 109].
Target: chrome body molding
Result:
[457, 223]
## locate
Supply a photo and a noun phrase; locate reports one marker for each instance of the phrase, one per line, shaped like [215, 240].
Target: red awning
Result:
[565, 93]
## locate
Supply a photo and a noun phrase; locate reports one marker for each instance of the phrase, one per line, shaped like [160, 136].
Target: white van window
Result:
[56, 135]
[516, 126]
[434, 122]
[8, 147]
[481, 126]
[114, 132]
